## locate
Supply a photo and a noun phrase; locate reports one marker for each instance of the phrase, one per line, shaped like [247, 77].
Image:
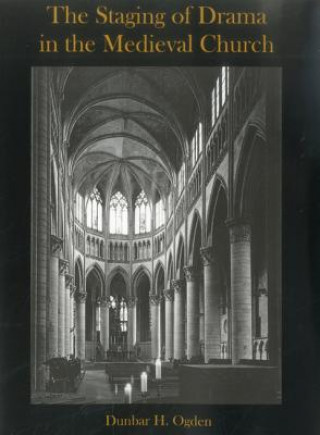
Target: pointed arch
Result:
[159, 278]
[218, 188]
[195, 237]
[97, 270]
[142, 270]
[170, 270]
[180, 258]
[142, 289]
[250, 169]
[79, 274]
[118, 270]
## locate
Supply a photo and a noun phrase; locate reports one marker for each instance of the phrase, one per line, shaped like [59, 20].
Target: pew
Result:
[64, 375]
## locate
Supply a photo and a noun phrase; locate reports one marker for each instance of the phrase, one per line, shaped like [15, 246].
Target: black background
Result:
[295, 28]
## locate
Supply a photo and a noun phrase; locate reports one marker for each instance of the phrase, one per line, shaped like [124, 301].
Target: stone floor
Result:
[95, 388]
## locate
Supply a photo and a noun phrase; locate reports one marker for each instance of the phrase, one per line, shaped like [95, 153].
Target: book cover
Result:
[158, 159]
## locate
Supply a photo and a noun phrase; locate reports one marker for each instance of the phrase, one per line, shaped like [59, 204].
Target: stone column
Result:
[168, 295]
[63, 268]
[40, 233]
[192, 293]
[105, 329]
[67, 315]
[212, 325]
[80, 325]
[132, 319]
[178, 320]
[53, 300]
[155, 326]
[241, 291]
[72, 319]
[201, 311]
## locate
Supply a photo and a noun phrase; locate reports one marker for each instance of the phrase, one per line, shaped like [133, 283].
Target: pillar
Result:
[201, 311]
[132, 321]
[80, 325]
[178, 320]
[212, 325]
[104, 325]
[168, 295]
[155, 326]
[192, 293]
[63, 267]
[241, 291]
[68, 320]
[53, 299]
[72, 320]
[40, 233]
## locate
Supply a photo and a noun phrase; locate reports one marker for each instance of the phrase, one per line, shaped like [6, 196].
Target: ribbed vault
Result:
[128, 128]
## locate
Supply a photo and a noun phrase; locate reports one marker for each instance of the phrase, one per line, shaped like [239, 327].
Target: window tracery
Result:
[196, 145]
[94, 211]
[118, 214]
[142, 214]
[219, 94]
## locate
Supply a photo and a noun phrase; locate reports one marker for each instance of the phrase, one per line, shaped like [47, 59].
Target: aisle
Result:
[95, 388]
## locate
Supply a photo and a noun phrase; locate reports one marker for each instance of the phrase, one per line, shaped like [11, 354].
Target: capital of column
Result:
[178, 285]
[63, 266]
[56, 244]
[240, 231]
[81, 297]
[168, 295]
[132, 300]
[190, 273]
[69, 279]
[207, 255]
[154, 299]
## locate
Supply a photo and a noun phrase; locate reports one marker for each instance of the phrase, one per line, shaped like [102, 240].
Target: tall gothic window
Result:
[159, 214]
[142, 214]
[79, 208]
[219, 93]
[118, 214]
[196, 145]
[224, 84]
[94, 211]
[118, 323]
[123, 315]
[213, 106]
[218, 97]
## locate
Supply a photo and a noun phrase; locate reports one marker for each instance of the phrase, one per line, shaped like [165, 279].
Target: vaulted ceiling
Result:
[127, 128]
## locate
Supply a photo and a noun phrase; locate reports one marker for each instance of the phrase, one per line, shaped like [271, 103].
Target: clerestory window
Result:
[142, 214]
[118, 214]
[219, 94]
[94, 211]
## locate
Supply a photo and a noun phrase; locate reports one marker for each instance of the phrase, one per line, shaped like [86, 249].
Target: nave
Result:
[156, 230]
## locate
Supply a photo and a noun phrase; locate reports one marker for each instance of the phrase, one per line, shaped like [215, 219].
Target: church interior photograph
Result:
[156, 235]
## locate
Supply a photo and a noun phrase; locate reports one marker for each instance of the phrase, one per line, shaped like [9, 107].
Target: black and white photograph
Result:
[156, 235]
